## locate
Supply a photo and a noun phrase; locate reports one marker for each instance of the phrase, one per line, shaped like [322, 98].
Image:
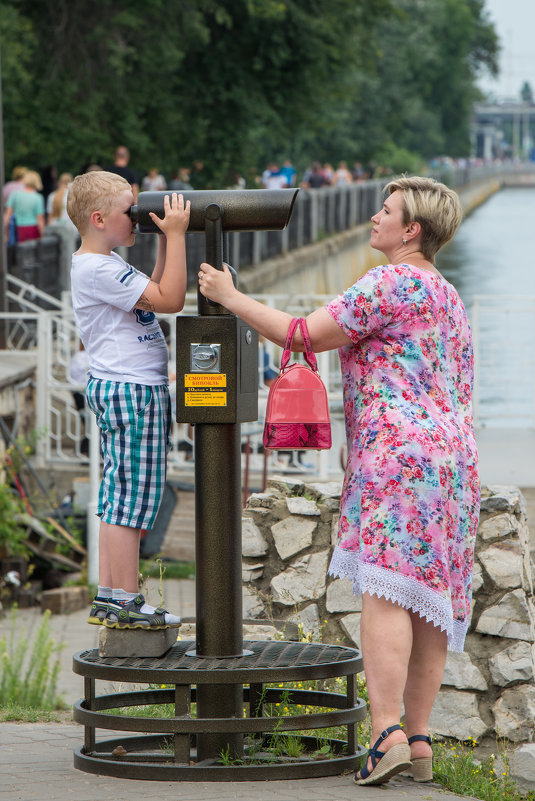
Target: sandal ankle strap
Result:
[423, 737]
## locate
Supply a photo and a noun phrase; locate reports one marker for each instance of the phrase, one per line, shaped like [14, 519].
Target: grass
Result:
[456, 768]
[28, 678]
[160, 569]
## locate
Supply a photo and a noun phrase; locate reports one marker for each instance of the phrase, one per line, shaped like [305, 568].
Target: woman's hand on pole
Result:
[217, 285]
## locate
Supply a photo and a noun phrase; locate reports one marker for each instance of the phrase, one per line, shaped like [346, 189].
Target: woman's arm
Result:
[271, 323]
[41, 223]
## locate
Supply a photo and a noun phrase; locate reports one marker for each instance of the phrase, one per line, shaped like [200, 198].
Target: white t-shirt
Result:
[122, 343]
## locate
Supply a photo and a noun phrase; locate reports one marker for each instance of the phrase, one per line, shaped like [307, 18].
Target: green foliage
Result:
[457, 770]
[12, 531]
[28, 679]
[234, 83]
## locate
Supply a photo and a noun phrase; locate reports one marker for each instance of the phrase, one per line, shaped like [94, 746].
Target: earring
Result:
[404, 241]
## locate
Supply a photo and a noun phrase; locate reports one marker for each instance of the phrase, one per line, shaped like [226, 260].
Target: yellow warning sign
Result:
[205, 380]
[205, 398]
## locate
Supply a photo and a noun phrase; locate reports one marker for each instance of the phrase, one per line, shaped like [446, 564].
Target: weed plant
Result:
[28, 678]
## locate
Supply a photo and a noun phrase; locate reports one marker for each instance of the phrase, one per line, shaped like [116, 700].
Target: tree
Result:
[237, 82]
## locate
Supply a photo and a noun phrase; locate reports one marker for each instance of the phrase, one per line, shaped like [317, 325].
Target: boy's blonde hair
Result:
[93, 191]
[434, 205]
[32, 179]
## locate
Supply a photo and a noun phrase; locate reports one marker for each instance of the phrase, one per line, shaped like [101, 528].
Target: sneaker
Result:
[98, 611]
[130, 616]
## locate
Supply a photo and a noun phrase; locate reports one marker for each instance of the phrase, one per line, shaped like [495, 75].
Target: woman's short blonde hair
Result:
[434, 205]
[93, 191]
[32, 179]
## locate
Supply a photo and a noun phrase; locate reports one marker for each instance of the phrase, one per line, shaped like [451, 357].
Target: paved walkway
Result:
[36, 759]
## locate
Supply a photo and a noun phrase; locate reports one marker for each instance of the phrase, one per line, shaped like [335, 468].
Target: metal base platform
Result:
[166, 751]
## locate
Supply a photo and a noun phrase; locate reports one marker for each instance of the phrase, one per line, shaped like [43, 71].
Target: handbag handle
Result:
[309, 353]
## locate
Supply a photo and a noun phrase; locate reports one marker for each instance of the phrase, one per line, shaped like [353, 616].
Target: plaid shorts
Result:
[135, 422]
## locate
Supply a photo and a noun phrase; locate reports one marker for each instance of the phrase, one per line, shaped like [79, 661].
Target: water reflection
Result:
[493, 251]
[492, 255]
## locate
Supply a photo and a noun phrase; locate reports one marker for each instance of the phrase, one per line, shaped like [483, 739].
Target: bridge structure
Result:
[504, 129]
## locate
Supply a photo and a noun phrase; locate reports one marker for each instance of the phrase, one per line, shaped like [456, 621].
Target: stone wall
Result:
[489, 690]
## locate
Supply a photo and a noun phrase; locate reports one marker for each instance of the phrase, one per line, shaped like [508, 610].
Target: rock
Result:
[512, 664]
[341, 598]
[252, 571]
[477, 579]
[328, 489]
[292, 535]
[503, 499]
[253, 543]
[135, 642]
[460, 672]
[351, 627]
[262, 499]
[286, 485]
[308, 620]
[504, 564]
[304, 580]
[456, 714]
[302, 506]
[514, 713]
[510, 617]
[522, 766]
[252, 605]
[260, 631]
[498, 527]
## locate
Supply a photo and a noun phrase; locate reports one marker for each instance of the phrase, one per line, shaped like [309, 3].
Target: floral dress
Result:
[410, 502]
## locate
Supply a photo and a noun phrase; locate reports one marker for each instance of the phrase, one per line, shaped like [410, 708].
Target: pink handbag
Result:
[297, 413]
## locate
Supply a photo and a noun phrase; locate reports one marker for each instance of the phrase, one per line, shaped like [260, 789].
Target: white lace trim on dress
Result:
[403, 590]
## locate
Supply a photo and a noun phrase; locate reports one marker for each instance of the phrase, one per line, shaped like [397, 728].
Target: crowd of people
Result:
[33, 200]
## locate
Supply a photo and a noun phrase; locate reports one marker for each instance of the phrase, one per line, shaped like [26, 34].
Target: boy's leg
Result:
[119, 557]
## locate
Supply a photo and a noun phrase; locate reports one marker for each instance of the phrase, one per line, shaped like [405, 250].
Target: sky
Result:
[514, 21]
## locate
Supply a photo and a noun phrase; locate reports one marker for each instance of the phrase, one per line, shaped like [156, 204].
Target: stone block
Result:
[504, 564]
[293, 534]
[460, 672]
[135, 642]
[253, 543]
[64, 599]
[498, 527]
[513, 664]
[308, 620]
[456, 714]
[304, 580]
[510, 617]
[522, 766]
[341, 598]
[351, 627]
[302, 506]
[514, 713]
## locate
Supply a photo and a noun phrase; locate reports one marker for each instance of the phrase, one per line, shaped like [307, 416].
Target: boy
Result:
[114, 308]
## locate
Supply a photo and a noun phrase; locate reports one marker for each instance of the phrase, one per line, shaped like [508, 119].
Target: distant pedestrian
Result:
[121, 167]
[272, 177]
[342, 175]
[153, 181]
[289, 172]
[16, 182]
[28, 208]
[313, 177]
[181, 182]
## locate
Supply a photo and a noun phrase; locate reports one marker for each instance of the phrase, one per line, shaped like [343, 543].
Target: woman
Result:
[56, 204]
[410, 501]
[28, 206]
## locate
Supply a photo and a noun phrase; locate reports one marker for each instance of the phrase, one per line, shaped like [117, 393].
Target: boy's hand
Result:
[176, 218]
[216, 284]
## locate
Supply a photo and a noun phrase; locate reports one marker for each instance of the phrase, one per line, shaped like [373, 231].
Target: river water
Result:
[491, 263]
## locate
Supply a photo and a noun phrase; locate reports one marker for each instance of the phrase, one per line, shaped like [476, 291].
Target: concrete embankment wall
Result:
[330, 266]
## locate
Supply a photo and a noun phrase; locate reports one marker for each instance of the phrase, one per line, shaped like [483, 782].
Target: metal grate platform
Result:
[150, 757]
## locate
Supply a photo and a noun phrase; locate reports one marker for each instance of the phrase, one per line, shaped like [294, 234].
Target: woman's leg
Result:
[386, 641]
[426, 669]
